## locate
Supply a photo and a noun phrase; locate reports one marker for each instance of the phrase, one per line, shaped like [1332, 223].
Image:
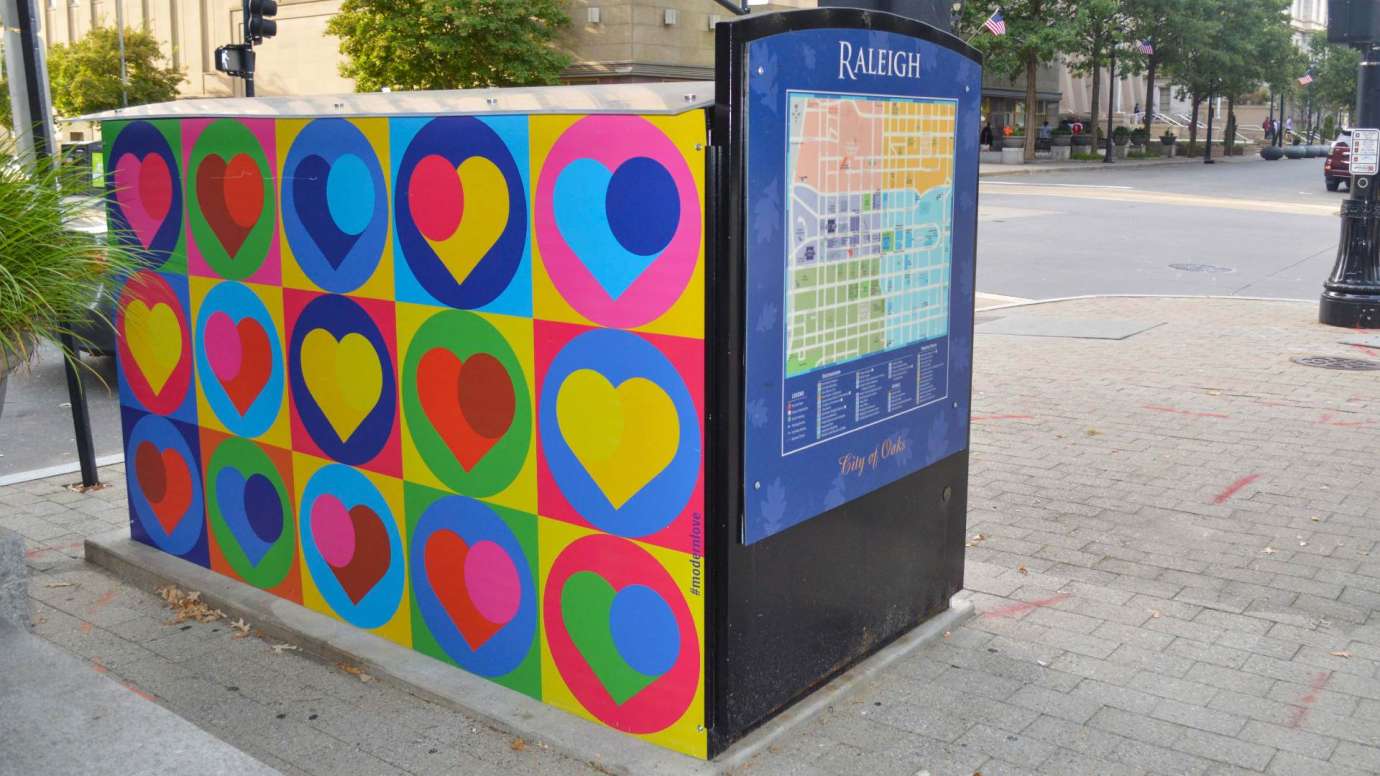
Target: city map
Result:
[868, 265]
[869, 221]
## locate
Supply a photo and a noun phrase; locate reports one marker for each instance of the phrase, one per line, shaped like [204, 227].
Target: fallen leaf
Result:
[240, 627]
[1154, 614]
[355, 671]
[1214, 393]
[1269, 550]
[1022, 570]
[1092, 432]
[1316, 519]
[1340, 653]
[1303, 544]
[518, 745]
[188, 605]
[948, 634]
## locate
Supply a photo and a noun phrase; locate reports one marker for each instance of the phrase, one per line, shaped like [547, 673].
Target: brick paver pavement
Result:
[1173, 558]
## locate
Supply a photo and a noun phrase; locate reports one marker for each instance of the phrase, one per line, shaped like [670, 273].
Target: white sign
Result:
[1365, 151]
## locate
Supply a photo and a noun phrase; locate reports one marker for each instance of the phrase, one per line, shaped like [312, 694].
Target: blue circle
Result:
[238, 302]
[341, 316]
[164, 436]
[352, 488]
[350, 193]
[643, 205]
[473, 521]
[644, 630]
[335, 204]
[620, 356]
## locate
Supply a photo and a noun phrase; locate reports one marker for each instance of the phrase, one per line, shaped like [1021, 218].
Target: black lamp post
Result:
[1111, 105]
[1351, 294]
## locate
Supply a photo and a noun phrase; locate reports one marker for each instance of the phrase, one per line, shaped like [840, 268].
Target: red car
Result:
[1337, 167]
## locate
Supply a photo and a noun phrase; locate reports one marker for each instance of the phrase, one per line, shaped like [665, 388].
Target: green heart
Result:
[586, 602]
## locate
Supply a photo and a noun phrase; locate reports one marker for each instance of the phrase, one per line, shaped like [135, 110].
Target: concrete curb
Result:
[498, 707]
[1038, 168]
[54, 471]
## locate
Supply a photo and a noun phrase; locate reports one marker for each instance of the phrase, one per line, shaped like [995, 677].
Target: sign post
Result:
[844, 299]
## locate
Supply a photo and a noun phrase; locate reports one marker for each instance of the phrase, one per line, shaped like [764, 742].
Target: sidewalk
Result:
[987, 169]
[1173, 556]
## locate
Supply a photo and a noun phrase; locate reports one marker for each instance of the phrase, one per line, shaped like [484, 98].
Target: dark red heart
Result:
[371, 557]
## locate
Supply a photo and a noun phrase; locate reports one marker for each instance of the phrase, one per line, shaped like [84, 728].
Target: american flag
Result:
[1306, 79]
[995, 23]
[1146, 48]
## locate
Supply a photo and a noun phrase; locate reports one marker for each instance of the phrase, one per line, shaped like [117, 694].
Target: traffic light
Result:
[1353, 22]
[258, 21]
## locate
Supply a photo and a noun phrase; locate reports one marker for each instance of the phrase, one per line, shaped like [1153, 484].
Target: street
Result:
[1244, 228]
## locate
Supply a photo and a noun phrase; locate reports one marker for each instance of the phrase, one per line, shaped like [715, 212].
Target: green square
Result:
[526, 677]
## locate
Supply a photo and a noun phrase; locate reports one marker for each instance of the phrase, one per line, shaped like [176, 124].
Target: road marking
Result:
[1056, 185]
[1163, 198]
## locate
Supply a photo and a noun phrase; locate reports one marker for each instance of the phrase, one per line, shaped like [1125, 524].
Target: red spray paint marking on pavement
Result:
[130, 686]
[1300, 712]
[103, 601]
[1234, 487]
[37, 551]
[1368, 351]
[1327, 420]
[978, 418]
[1020, 607]
[1190, 413]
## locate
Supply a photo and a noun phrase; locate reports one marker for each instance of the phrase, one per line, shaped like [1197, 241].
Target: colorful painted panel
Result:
[438, 378]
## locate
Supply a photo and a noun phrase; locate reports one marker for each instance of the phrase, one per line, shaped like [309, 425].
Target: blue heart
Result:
[334, 203]
[252, 509]
[617, 223]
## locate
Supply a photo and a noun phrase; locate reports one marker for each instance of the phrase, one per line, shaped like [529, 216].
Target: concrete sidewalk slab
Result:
[1081, 328]
[513, 712]
[14, 579]
[59, 716]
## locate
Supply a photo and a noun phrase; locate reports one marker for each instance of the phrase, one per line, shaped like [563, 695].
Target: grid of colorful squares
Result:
[440, 378]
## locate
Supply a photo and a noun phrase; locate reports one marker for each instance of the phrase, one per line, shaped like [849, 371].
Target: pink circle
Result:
[435, 197]
[492, 582]
[333, 531]
[223, 349]
[612, 140]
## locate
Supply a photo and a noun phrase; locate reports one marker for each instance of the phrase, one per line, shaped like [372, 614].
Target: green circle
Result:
[227, 139]
[465, 334]
[250, 459]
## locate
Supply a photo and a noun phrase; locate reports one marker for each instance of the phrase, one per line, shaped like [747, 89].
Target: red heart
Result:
[166, 482]
[155, 187]
[444, 558]
[256, 365]
[470, 403]
[231, 195]
[371, 557]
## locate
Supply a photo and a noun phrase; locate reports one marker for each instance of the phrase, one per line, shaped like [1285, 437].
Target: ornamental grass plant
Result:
[50, 270]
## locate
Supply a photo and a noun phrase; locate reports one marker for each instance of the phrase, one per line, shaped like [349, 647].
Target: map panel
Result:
[868, 270]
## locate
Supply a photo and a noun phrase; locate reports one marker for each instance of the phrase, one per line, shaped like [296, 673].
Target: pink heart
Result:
[223, 347]
[492, 582]
[143, 189]
[333, 530]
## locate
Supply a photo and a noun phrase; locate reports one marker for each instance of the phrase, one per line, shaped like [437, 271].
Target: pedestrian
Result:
[1045, 131]
[1266, 126]
[1289, 126]
[986, 138]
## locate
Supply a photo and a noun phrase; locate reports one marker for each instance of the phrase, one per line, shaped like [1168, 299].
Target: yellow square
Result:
[567, 550]
[366, 593]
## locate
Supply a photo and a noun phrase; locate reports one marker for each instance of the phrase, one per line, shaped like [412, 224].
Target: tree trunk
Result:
[1096, 93]
[1150, 96]
[1229, 134]
[1193, 122]
[1030, 126]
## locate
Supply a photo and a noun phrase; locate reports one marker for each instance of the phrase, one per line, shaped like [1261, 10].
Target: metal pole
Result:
[26, 23]
[1207, 147]
[124, 72]
[248, 42]
[1108, 158]
[1351, 294]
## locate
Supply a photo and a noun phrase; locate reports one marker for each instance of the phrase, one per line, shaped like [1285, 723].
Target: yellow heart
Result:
[155, 339]
[623, 436]
[344, 377]
[481, 223]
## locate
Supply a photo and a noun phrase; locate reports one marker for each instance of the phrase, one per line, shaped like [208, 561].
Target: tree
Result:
[1334, 75]
[85, 76]
[1170, 28]
[1037, 32]
[449, 44]
[1094, 31]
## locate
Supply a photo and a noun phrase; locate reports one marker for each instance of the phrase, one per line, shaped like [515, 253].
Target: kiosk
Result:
[648, 401]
